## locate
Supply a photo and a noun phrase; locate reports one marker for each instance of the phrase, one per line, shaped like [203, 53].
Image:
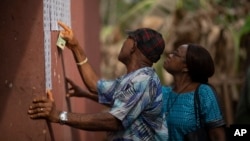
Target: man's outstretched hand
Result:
[43, 107]
[68, 35]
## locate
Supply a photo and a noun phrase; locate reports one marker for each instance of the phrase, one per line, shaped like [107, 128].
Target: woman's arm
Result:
[217, 134]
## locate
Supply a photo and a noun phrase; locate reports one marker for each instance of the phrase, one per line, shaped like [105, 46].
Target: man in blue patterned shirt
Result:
[135, 99]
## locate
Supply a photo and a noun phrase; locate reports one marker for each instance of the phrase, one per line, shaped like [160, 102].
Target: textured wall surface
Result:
[22, 69]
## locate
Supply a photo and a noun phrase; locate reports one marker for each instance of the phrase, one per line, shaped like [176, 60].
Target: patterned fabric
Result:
[136, 100]
[150, 42]
[180, 114]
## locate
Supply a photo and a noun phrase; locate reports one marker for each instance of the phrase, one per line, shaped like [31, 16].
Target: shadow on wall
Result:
[22, 67]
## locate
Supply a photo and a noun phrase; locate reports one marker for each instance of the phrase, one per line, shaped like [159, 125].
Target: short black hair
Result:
[199, 63]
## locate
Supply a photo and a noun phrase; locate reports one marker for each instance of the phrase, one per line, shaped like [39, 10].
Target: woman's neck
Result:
[183, 84]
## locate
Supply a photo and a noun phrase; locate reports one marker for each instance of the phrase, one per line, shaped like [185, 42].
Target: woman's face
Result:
[176, 60]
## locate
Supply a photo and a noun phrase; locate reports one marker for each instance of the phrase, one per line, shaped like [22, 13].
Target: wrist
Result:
[55, 117]
[63, 117]
[82, 62]
[79, 55]
[73, 43]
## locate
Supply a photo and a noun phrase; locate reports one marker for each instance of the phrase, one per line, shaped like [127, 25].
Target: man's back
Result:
[136, 100]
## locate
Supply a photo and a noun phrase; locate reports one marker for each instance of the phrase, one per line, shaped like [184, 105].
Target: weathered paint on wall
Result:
[22, 69]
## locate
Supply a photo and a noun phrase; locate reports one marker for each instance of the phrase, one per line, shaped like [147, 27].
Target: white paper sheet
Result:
[53, 11]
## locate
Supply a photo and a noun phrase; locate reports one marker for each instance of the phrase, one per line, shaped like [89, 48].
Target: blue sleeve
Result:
[210, 106]
[134, 100]
[106, 90]
[165, 95]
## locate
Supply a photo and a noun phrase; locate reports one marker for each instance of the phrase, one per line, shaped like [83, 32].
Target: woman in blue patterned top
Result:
[191, 65]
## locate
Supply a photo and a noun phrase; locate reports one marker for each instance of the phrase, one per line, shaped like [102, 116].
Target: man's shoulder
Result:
[145, 74]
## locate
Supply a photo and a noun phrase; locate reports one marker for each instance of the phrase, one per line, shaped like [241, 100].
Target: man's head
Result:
[149, 42]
